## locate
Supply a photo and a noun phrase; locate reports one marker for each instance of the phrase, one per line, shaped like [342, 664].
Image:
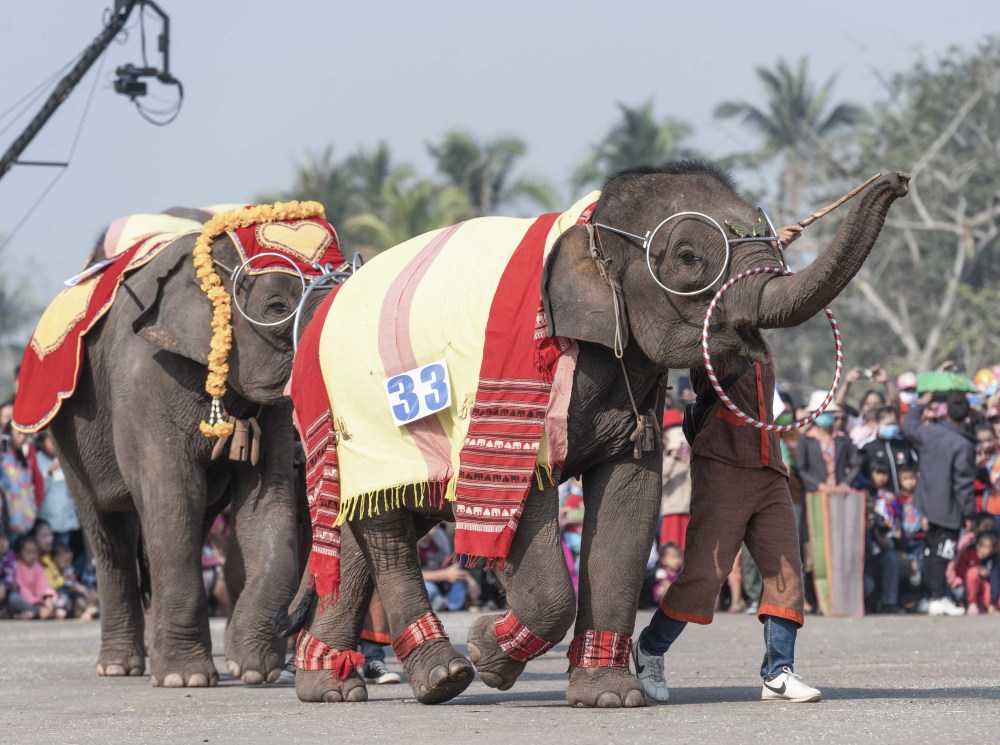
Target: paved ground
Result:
[903, 679]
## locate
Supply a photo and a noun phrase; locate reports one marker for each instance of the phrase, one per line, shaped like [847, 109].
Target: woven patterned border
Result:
[600, 649]
[425, 628]
[517, 641]
[312, 654]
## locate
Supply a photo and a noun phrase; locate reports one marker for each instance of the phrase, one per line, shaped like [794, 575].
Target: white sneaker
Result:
[649, 671]
[787, 686]
[922, 606]
[944, 607]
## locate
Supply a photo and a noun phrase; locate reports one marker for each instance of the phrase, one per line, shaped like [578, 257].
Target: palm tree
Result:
[637, 138]
[485, 171]
[796, 120]
[410, 207]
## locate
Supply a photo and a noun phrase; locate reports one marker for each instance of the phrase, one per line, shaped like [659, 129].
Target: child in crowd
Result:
[81, 600]
[668, 568]
[45, 539]
[7, 567]
[881, 559]
[448, 584]
[886, 500]
[571, 529]
[32, 597]
[972, 569]
[912, 535]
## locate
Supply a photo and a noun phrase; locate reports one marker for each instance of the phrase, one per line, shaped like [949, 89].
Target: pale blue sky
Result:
[266, 81]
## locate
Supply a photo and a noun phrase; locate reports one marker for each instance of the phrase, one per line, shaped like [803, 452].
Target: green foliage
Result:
[637, 138]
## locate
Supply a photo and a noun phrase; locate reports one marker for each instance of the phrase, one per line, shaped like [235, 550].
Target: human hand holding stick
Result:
[789, 233]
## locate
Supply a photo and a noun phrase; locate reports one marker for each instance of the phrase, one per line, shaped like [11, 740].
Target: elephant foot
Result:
[171, 673]
[496, 669]
[323, 686]
[114, 663]
[254, 667]
[604, 688]
[437, 672]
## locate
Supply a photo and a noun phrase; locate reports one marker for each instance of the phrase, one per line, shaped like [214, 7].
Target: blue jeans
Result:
[779, 640]
[455, 598]
[372, 650]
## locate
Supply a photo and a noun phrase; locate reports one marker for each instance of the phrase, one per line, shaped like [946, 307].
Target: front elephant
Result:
[551, 373]
[143, 437]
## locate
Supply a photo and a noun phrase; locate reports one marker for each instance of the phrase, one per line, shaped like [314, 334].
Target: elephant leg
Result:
[437, 672]
[539, 592]
[266, 550]
[113, 539]
[621, 504]
[172, 515]
[338, 629]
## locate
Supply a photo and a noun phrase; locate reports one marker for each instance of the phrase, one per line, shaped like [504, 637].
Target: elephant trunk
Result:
[790, 301]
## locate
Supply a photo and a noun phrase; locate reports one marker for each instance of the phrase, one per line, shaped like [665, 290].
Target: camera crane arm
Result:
[127, 84]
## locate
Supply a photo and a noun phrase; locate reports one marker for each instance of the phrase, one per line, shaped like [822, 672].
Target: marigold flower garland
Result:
[222, 304]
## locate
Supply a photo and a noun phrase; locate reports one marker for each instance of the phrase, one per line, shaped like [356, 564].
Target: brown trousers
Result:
[730, 506]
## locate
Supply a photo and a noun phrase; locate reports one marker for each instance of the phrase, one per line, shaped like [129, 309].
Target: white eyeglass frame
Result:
[647, 243]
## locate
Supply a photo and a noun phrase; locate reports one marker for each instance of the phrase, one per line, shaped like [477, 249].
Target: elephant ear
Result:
[577, 299]
[173, 312]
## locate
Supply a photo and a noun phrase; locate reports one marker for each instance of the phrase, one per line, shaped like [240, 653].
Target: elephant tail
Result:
[287, 621]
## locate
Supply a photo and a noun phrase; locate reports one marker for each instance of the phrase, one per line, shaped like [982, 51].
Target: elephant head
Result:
[597, 282]
[176, 316]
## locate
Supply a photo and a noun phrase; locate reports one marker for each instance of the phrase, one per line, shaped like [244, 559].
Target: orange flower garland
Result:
[222, 304]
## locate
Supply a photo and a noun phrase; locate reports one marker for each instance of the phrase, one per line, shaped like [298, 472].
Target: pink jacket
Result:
[32, 584]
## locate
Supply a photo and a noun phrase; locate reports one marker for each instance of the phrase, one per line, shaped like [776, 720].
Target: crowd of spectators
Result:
[927, 466]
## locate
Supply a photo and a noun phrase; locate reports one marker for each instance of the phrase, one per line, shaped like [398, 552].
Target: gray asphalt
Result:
[899, 679]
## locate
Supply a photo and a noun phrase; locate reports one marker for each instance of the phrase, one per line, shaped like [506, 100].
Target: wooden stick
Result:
[831, 207]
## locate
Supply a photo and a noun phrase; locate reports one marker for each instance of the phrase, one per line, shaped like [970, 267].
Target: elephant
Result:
[148, 484]
[602, 288]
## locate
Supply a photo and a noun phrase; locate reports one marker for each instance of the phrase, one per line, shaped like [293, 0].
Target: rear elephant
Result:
[555, 334]
[163, 389]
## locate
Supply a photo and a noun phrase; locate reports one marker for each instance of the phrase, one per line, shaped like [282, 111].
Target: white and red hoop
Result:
[727, 402]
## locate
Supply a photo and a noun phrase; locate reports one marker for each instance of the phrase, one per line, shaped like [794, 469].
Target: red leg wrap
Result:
[517, 641]
[424, 629]
[312, 654]
[600, 649]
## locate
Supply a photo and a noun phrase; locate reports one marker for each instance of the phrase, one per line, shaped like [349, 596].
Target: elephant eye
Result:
[688, 256]
[277, 308]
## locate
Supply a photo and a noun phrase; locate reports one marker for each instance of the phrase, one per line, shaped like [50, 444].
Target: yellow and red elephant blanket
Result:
[51, 363]
[468, 295]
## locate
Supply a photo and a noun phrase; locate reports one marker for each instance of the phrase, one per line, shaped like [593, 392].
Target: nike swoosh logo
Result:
[779, 691]
[639, 668]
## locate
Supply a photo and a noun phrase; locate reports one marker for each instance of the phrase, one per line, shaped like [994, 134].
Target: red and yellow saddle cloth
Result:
[469, 295]
[51, 363]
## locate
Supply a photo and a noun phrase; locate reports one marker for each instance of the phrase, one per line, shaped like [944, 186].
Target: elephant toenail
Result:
[458, 668]
[197, 680]
[491, 679]
[100, 669]
[114, 670]
[173, 680]
[609, 700]
[635, 699]
[437, 675]
[233, 667]
[332, 697]
[253, 678]
[274, 675]
[357, 694]
[154, 681]
[474, 653]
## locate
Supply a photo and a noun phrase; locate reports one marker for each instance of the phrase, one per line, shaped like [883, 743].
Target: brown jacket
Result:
[723, 436]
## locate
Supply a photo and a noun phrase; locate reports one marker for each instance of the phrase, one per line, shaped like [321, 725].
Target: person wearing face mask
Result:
[889, 448]
[825, 457]
[906, 384]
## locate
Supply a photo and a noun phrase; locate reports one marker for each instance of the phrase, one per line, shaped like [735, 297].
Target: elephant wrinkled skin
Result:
[133, 455]
[659, 331]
